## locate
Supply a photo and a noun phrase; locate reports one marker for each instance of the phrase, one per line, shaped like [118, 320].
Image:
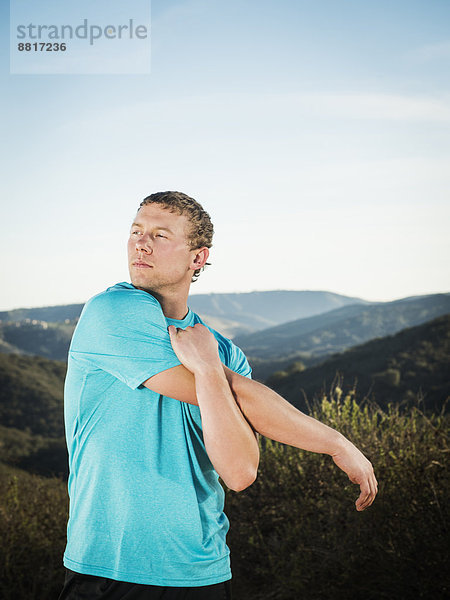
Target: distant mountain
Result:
[316, 337]
[47, 331]
[391, 369]
[52, 314]
[309, 339]
[250, 311]
[259, 310]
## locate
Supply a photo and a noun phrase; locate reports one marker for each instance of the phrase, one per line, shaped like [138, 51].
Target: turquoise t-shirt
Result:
[146, 505]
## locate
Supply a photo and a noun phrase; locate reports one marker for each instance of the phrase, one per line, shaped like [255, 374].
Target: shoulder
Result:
[120, 300]
[122, 314]
[121, 305]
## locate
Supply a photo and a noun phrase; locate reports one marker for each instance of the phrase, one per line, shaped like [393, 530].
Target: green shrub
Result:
[296, 534]
[389, 377]
[33, 518]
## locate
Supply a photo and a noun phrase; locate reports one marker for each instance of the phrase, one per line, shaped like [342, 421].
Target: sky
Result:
[316, 134]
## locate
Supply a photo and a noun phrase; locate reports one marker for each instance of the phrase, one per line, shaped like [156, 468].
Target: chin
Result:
[140, 282]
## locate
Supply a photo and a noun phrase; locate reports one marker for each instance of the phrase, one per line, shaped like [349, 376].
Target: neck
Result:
[173, 300]
[172, 307]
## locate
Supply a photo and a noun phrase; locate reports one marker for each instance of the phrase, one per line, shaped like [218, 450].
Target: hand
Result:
[359, 471]
[196, 347]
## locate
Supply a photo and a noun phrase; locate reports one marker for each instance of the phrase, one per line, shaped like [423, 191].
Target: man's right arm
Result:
[177, 383]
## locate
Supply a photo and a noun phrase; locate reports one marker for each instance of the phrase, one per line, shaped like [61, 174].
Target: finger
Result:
[362, 497]
[365, 496]
[361, 501]
[368, 492]
[373, 487]
[172, 331]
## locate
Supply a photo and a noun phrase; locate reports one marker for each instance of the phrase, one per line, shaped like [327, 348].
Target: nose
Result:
[143, 244]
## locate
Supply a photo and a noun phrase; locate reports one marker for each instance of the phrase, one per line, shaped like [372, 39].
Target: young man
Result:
[157, 407]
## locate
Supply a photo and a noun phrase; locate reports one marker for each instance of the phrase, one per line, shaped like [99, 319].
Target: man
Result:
[157, 407]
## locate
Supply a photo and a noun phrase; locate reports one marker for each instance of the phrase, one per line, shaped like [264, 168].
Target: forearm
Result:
[229, 440]
[274, 417]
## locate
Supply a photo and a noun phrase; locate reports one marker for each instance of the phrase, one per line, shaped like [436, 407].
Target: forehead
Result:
[154, 215]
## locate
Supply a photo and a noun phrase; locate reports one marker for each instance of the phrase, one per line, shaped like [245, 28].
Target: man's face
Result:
[159, 256]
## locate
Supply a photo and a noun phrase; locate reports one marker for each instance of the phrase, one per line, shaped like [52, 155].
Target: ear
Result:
[200, 256]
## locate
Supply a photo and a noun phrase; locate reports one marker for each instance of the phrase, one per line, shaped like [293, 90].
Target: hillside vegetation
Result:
[31, 394]
[294, 533]
[311, 340]
[31, 414]
[41, 338]
[392, 369]
[33, 519]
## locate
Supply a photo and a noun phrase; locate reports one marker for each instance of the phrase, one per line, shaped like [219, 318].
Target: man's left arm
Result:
[272, 416]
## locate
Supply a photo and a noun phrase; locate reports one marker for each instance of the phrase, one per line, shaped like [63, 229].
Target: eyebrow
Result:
[157, 227]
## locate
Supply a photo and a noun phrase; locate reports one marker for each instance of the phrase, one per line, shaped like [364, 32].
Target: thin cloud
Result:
[432, 52]
[240, 110]
[378, 106]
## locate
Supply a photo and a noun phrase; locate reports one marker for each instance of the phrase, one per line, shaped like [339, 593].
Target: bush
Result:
[296, 534]
[389, 377]
[33, 518]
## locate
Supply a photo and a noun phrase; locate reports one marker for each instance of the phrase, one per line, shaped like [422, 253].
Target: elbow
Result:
[242, 481]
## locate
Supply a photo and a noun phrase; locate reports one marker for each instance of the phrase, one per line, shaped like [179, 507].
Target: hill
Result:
[229, 313]
[314, 338]
[31, 414]
[54, 314]
[322, 329]
[31, 394]
[259, 310]
[41, 338]
[391, 369]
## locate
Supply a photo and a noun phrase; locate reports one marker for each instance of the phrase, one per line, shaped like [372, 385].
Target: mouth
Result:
[139, 264]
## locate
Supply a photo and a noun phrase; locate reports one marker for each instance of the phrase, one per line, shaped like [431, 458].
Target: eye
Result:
[161, 236]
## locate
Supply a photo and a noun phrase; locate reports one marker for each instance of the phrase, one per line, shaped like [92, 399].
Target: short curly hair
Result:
[201, 228]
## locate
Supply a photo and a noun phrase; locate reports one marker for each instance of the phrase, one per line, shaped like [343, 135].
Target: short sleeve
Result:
[232, 356]
[124, 332]
[240, 362]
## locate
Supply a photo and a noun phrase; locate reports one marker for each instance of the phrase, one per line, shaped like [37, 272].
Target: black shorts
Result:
[91, 587]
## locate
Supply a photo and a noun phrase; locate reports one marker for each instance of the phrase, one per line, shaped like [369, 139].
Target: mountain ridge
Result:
[393, 368]
[341, 328]
[308, 339]
[257, 306]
